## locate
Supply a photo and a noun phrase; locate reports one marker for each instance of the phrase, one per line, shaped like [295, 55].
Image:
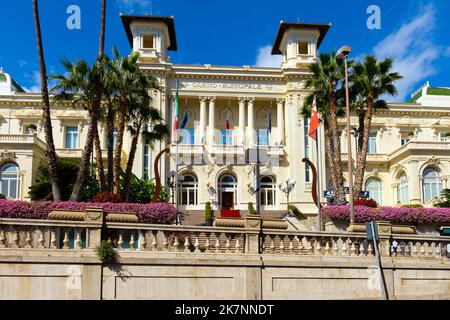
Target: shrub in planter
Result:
[2, 197]
[106, 197]
[366, 202]
[251, 209]
[105, 252]
[300, 216]
[208, 214]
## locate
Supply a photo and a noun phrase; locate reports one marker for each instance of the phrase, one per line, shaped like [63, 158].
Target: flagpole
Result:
[176, 165]
[319, 218]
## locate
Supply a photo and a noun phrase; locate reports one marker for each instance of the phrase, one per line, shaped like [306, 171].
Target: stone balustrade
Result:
[250, 237]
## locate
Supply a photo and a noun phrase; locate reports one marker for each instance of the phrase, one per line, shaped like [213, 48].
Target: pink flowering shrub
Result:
[158, 213]
[409, 215]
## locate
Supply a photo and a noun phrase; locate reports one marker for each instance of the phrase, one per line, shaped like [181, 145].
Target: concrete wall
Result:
[35, 274]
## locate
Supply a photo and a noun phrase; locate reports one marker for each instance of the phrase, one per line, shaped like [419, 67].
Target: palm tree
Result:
[46, 120]
[142, 117]
[79, 85]
[371, 80]
[326, 83]
[124, 75]
[99, 95]
[92, 129]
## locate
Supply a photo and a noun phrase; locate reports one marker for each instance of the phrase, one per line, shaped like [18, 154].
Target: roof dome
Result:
[8, 85]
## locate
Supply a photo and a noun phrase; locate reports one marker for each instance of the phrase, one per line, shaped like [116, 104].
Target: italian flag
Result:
[228, 120]
[314, 123]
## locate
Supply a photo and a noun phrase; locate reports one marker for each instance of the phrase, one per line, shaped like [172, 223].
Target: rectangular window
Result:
[372, 147]
[227, 137]
[114, 138]
[303, 47]
[404, 140]
[71, 137]
[306, 134]
[147, 159]
[149, 42]
[263, 137]
[445, 137]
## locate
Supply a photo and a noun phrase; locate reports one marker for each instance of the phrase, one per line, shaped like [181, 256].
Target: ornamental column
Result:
[241, 121]
[202, 120]
[280, 121]
[212, 120]
[251, 121]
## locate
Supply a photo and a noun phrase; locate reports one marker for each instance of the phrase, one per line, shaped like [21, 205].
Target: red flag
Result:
[228, 121]
[314, 124]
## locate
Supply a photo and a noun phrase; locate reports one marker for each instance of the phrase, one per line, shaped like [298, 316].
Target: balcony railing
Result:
[22, 139]
[410, 146]
[420, 145]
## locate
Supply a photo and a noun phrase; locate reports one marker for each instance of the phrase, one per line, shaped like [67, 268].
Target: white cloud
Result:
[412, 49]
[35, 82]
[23, 63]
[132, 5]
[264, 58]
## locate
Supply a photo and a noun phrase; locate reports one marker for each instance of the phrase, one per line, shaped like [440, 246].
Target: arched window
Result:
[189, 191]
[10, 181]
[268, 188]
[227, 181]
[402, 189]
[375, 188]
[432, 185]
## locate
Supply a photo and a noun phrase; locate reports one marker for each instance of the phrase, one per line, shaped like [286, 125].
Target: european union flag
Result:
[185, 120]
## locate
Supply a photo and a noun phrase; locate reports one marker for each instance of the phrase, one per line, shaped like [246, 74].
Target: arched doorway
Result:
[227, 192]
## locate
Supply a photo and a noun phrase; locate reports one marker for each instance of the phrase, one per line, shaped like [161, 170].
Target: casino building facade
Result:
[409, 151]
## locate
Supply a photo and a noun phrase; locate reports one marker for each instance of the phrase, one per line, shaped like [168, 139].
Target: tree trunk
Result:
[110, 146]
[85, 160]
[87, 152]
[329, 157]
[128, 172]
[119, 144]
[46, 119]
[362, 156]
[336, 155]
[99, 160]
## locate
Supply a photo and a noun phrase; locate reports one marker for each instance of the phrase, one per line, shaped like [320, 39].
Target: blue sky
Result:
[235, 32]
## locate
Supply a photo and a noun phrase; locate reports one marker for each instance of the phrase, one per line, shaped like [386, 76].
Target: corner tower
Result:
[151, 36]
[298, 43]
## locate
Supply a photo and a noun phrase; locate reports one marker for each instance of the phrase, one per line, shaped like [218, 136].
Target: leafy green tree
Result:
[144, 121]
[445, 202]
[68, 170]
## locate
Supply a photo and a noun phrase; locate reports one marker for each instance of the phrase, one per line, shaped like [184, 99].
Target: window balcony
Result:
[412, 147]
[10, 140]
[71, 153]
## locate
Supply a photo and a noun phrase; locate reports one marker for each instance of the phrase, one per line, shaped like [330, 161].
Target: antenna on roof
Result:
[298, 17]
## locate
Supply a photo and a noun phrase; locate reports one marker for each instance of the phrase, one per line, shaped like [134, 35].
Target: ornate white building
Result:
[409, 153]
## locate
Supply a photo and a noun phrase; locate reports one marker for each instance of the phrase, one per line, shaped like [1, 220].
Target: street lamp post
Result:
[286, 187]
[171, 183]
[342, 53]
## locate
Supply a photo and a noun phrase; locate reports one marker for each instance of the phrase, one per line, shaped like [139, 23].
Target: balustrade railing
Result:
[45, 234]
[164, 238]
[80, 235]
